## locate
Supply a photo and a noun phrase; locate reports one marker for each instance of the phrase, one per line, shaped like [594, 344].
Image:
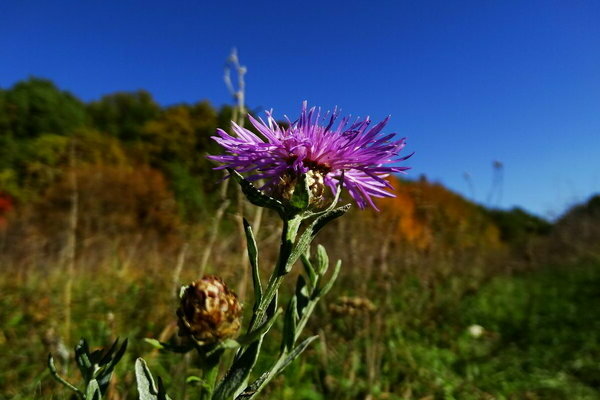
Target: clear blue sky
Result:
[468, 82]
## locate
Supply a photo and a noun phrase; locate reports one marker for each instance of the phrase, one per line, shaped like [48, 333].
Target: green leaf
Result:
[254, 195]
[239, 373]
[295, 353]
[301, 196]
[322, 260]
[251, 391]
[250, 337]
[82, 358]
[145, 383]
[253, 256]
[103, 360]
[154, 343]
[237, 376]
[311, 232]
[309, 269]
[162, 393]
[92, 391]
[106, 372]
[193, 379]
[336, 271]
[289, 325]
[301, 295]
[173, 348]
[329, 216]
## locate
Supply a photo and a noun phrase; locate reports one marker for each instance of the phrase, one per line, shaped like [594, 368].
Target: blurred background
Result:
[483, 281]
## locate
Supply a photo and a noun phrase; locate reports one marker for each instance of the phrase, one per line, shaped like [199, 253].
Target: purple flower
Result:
[319, 148]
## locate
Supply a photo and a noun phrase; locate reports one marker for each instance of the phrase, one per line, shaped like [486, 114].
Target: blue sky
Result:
[468, 82]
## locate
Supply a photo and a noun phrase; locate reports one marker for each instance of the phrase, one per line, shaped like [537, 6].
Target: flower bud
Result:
[314, 181]
[208, 312]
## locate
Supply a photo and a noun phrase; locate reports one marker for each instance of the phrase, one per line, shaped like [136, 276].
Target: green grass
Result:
[541, 340]
[542, 335]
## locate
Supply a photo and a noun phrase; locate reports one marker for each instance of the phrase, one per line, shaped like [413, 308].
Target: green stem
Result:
[288, 237]
[210, 367]
[210, 377]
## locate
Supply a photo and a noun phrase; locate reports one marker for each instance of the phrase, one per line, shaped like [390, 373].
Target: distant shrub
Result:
[577, 233]
[114, 202]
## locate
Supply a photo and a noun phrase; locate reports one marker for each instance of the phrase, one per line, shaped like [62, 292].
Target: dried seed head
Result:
[350, 306]
[209, 312]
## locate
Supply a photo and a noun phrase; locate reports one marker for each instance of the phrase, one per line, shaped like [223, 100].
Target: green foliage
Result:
[192, 201]
[145, 383]
[96, 369]
[123, 114]
[517, 225]
[35, 107]
[542, 334]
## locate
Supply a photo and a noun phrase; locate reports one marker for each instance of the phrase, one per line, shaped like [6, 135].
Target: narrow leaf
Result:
[296, 352]
[289, 325]
[92, 391]
[237, 376]
[239, 373]
[105, 374]
[253, 389]
[145, 383]
[253, 256]
[250, 337]
[302, 296]
[322, 260]
[173, 348]
[309, 269]
[327, 287]
[254, 195]
[82, 358]
[311, 232]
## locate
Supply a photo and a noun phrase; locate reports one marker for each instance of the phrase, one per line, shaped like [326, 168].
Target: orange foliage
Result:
[427, 214]
[114, 202]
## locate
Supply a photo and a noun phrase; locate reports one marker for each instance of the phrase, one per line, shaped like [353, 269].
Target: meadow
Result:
[107, 208]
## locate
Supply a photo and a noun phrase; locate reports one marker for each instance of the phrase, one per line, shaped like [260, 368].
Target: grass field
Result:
[539, 339]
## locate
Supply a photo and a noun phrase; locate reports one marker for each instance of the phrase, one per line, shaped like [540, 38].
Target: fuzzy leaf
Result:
[254, 195]
[92, 391]
[106, 372]
[250, 337]
[311, 232]
[289, 325]
[145, 383]
[302, 296]
[296, 352]
[251, 391]
[82, 358]
[309, 269]
[107, 354]
[253, 256]
[322, 260]
[327, 287]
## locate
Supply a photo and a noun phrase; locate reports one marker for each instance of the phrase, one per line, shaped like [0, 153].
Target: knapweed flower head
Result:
[326, 152]
[209, 311]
